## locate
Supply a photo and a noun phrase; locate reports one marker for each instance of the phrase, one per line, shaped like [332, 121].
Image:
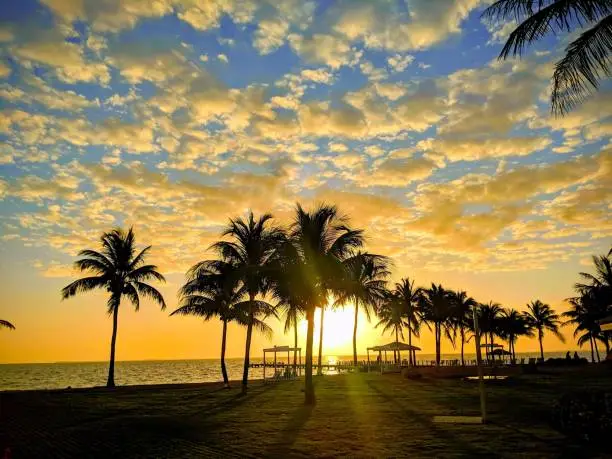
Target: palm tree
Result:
[587, 57]
[391, 316]
[462, 315]
[365, 285]
[409, 296]
[542, 317]
[6, 324]
[213, 290]
[584, 316]
[435, 304]
[251, 251]
[488, 317]
[323, 241]
[512, 324]
[116, 270]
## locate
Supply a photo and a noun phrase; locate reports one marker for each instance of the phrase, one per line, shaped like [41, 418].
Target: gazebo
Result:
[391, 347]
[489, 347]
[282, 349]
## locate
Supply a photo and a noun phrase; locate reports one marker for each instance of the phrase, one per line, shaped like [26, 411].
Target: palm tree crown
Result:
[587, 58]
[541, 317]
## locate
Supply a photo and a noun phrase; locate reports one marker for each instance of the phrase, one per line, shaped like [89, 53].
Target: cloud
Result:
[457, 149]
[397, 172]
[222, 58]
[399, 63]
[324, 49]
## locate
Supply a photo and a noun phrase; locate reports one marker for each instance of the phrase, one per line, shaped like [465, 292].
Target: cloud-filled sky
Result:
[173, 115]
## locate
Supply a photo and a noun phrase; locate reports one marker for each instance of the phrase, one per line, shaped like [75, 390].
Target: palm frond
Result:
[144, 273]
[147, 291]
[84, 285]
[6, 324]
[586, 61]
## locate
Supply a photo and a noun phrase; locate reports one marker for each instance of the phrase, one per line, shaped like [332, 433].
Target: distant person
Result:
[567, 356]
[576, 356]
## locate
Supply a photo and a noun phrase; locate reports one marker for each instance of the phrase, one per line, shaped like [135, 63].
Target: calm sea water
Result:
[89, 374]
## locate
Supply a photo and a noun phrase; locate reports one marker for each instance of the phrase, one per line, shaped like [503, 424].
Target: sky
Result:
[175, 115]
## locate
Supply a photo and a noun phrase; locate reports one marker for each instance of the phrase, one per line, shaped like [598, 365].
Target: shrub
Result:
[585, 415]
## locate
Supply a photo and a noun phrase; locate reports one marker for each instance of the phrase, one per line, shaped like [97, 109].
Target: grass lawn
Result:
[356, 415]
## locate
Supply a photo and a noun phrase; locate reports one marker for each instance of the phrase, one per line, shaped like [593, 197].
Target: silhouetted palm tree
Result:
[6, 324]
[250, 250]
[511, 325]
[365, 285]
[213, 290]
[585, 313]
[462, 315]
[408, 295]
[391, 316]
[488, 317]
[323, 241]
[120, 272]
[587, 58]
[541, 317]
[435, 304]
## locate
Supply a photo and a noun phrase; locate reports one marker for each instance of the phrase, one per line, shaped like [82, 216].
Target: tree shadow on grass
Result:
[289, 434]
[428, 423]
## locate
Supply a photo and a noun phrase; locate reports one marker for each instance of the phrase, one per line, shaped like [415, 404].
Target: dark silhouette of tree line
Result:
[264, 270]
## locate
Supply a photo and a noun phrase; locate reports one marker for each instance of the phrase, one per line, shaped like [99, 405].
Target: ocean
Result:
[29, 376]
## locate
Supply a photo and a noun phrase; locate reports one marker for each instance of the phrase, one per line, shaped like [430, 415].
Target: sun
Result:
[337, 331]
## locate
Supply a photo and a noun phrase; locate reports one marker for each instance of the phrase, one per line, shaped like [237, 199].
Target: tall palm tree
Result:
[587, 58]
[435, 304]
[323, 241]
[391, 316]
[6, 324]
[251, 248]
[462, 315]
[512, 324]
[541, 317]
[120, 272]
[409, 295]
[213, 290]
[365, 285]
[488, 317]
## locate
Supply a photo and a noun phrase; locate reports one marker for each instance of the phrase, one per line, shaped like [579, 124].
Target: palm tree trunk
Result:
[111, 365]
[319, 368]
[592, 349]
[437, 327]
[540, 336]
[223, 369]
[247, 350]
[397, 340]
[597, 349]
[462, 342]
[308, 387]
[606, 342]
[295, 345]
[410, 360]
[354, 333]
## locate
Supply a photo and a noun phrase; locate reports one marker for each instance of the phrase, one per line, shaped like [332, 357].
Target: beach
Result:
[355, 415]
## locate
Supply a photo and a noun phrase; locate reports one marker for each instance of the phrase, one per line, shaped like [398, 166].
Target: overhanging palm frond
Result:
[586, 62]
[6, 324]
[146, 272]
[151, 292]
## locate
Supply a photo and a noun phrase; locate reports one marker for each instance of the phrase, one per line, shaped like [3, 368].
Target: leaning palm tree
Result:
[391, 316]
[6, 324]
[120, 272]
[213, 290]
[587, 58]
[541, 317]
[365, 285]
[512, 324]
[462, 315]
[409, 296]
[436, 307]
[323, 241]
[250, 250]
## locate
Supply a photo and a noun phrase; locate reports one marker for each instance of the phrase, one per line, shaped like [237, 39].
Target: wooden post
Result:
[483, 396]
[264, 366]
[368, 351]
